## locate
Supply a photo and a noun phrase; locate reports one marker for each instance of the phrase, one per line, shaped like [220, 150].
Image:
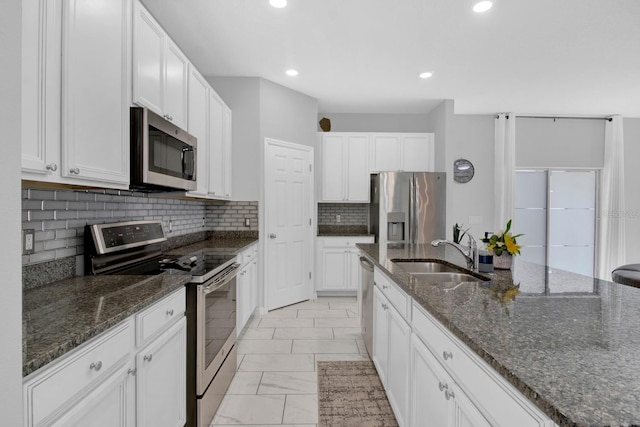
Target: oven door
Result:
[215, 327]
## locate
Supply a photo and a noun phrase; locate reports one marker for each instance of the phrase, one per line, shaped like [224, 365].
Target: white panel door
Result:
[334, 269]
[148, 60]
[198, 126]
[428, 406]
[227, 149]
[176, 71]
[333, 184]
[41, 51]
[418, 153]
[96, 73]
[357, 168]
[111, 403]
[216, 149]
[380, 334]
[161, 379]
[385, 151]
[399, 339]
[288, 200]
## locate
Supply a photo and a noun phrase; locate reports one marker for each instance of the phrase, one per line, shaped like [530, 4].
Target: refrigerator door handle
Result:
[413, 211]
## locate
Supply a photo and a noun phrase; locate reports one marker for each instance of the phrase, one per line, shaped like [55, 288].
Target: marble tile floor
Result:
[276, 382]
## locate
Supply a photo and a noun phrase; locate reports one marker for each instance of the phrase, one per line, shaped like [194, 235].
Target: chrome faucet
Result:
[470, 253]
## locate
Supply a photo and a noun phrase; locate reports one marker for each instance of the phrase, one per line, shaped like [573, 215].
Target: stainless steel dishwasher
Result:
[366, 303]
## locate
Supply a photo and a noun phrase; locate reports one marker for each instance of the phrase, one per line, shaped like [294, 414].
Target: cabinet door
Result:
[199, 126]
[175, 90]
[418, 153]
[357, 168]
[243, 299]
[111, 403]
[334, 269]
[216, 143]
[96, 70]
[333, 165]
[399, 344]
[148, 60]
[354, 269]
[428, 407]
[226, 150]
[161, 380]
[380, 334]
[385, 151]
[41, 52]
[465, 414]
[253, 282]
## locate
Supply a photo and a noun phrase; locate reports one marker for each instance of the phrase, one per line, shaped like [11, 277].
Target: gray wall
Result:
[242, 95]
[351, 122]
[262, 109]
[11, 301]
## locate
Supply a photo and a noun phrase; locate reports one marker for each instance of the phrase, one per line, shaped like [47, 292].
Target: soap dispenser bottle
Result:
[485, 257]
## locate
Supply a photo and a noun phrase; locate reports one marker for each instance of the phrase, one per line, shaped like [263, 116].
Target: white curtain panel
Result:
[504, 170]
[611, 242]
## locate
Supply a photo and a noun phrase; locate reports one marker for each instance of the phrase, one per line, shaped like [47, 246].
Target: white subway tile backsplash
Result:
[59, 217]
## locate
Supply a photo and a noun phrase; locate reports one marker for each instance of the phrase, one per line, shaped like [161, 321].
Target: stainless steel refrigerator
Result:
[408, 207]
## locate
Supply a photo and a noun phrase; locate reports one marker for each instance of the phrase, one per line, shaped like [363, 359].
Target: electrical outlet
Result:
[247, 222]
[28, 237]
[338, 218]
[475, 220]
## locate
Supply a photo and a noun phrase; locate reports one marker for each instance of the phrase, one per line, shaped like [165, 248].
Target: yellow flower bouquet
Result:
[504, 242]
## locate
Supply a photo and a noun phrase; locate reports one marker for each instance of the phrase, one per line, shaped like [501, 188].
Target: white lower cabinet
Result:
[247, 286]
[436, 401]
[112, 404]
[161, 379]
[391, 344]
[338, 263]
[112, 381]
[431, 378]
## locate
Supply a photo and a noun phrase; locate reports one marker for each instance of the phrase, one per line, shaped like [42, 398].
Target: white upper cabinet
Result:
[199, 127]
[96, 71]
[219, 147]
[403, 152]
[41, 68]
[160, 69]
[76, 55]
[345, 167]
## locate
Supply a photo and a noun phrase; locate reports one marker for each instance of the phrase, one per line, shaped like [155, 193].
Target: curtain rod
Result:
[561, 117]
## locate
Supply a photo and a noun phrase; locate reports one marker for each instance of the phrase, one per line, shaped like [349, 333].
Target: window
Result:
[556, 211]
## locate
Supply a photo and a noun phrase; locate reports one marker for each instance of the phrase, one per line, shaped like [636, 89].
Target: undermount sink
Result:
[436, 272]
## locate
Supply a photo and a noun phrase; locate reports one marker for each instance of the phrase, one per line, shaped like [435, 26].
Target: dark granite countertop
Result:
[570, 343]
[58, 317]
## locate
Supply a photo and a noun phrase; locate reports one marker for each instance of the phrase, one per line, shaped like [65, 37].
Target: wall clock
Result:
[463, 171]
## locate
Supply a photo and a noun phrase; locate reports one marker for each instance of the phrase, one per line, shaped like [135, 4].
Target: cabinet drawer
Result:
[396, 296]
[343, 241]
[58, 384]
[498, 400]
[248, 255]
[159, 316]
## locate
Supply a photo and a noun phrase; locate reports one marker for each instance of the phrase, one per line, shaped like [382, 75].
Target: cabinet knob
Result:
[447, 355]
[449, 395]
[385, 306]
[148, 358]
[75, 171]
[131, 372]
[96, 366]
[272, 236]
[385, 287]
[227, 195]
[443, 386]
[170, 312]
[52, 167]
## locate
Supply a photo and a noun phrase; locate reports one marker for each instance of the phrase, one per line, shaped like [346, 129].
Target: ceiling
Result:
[551, 57]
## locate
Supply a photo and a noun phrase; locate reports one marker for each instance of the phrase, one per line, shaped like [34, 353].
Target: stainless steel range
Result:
[135, 248]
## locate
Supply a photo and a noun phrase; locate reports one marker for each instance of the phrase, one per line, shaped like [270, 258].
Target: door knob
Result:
[272, 236]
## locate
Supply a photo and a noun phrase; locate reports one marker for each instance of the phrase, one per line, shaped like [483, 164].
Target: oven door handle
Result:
[232, 273]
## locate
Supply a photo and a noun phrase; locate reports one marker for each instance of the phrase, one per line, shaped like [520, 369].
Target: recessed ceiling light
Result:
[292, 72]
[278, 3]
[482, 6]
[425, 75]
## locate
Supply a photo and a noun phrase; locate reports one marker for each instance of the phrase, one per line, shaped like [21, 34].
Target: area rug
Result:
[350, 394]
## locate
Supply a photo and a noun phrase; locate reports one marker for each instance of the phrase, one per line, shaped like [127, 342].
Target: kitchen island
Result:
[569, 343]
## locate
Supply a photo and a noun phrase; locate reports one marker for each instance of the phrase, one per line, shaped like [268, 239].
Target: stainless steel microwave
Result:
[163, 156]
